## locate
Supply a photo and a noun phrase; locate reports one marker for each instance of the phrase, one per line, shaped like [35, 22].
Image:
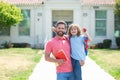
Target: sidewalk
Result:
[91, 71]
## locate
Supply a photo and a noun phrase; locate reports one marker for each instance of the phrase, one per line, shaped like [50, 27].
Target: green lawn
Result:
[108, 59]
[18, 63]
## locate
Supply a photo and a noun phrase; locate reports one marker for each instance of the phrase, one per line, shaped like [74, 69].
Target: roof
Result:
[85, 2]
[98, 2]
[25, 2]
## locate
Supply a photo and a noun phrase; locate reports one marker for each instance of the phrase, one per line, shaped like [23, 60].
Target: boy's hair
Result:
[76, 26]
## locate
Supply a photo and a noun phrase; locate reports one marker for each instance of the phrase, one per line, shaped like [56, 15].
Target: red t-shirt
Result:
[56, 44]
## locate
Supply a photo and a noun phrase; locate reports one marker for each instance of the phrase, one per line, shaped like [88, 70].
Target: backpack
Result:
[86, 45]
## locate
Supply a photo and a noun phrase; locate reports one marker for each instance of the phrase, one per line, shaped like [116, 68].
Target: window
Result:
[117, 27]
[100, 22]
[5, 31]
[24, 26]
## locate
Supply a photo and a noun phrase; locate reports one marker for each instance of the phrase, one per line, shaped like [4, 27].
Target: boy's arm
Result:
[54, 29]
[86, 34]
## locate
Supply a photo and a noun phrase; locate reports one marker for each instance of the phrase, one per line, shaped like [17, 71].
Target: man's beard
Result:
[60, 33]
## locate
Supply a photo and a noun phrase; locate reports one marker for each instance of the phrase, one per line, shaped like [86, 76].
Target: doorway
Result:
[66, 15]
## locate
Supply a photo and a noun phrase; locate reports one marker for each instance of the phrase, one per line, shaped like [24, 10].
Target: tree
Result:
[117, 9]
[9, 14]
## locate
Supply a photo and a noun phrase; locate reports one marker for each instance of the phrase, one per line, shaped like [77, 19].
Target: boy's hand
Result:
[54, 29]
[84, 30]
[82, 62]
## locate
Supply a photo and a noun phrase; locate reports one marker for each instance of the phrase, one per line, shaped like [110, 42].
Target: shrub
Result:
[117, 39]
[93, 46]
[7, 45]
[107, 43]
[21, 45]
[99, 45]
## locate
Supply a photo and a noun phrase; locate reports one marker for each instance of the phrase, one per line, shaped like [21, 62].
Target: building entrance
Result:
[66, 15]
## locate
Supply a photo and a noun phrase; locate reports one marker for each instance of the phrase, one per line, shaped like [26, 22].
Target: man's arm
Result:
[50, 59]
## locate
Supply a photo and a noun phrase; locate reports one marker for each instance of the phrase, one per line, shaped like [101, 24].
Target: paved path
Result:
[91, 71]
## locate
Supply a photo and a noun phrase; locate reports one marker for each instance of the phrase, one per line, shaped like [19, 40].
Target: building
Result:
[40, 15]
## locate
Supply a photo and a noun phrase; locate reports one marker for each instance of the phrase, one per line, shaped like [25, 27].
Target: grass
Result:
[108, 59]
[18, 63]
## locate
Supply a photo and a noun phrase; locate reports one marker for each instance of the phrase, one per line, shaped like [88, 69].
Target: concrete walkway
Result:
[91, 71]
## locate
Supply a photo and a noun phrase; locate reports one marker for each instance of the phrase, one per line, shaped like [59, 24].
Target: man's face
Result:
[60, 29]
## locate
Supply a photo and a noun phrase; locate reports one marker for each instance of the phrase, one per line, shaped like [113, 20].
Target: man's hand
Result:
[60, 61]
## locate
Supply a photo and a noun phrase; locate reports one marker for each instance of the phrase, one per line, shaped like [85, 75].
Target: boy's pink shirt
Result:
[56, 44]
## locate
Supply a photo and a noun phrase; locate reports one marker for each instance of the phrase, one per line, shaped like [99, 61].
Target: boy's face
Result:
[60, 29]
[73, 31]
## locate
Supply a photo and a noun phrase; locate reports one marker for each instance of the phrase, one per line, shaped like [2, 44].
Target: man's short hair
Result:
[61, 22]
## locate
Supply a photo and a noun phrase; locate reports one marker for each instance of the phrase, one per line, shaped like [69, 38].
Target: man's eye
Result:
[61, 28]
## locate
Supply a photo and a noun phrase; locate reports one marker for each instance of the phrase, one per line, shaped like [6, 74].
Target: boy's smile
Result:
[73, 31]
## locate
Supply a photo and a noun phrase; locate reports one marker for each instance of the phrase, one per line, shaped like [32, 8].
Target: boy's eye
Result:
[73, 29]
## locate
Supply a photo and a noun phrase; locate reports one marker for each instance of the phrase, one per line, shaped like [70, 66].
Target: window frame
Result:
[100, 28]
[117, 26]
[27, 27]
[7, 29]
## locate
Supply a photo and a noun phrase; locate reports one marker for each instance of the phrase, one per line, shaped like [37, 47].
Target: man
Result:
[60, 42]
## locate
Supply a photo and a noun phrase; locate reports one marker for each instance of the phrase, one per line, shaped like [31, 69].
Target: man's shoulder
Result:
[67, 37]
[50, 40]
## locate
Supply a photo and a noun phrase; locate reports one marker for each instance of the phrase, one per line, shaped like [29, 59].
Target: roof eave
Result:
[97, 4]
[19, 4]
